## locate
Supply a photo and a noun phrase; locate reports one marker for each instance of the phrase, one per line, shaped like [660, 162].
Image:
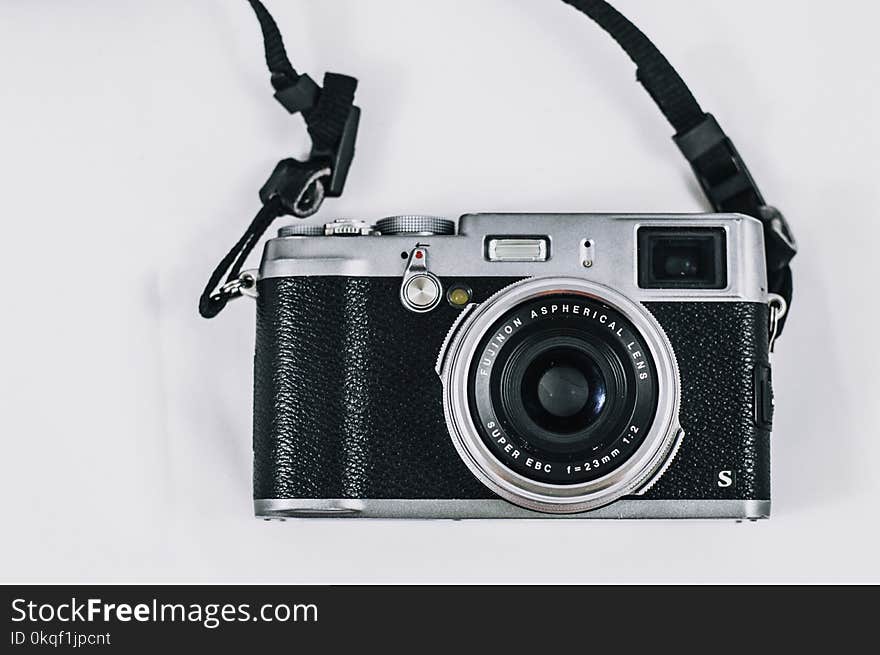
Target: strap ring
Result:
[778, 310]
[244, 285]
[312, 195]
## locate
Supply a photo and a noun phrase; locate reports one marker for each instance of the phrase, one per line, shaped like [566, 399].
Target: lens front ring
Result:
[645, 464]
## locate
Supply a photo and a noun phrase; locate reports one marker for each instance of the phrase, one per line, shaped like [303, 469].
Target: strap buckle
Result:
[333, 120]
[296, 96]
[720, 169]
[778, 231]
[341, 155]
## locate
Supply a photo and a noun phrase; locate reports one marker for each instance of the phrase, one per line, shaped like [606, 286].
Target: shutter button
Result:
[421, 290]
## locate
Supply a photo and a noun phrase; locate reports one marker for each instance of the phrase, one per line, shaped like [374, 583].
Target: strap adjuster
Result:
[332, 119]
[720, 169]
[340, 156]
[298, 96]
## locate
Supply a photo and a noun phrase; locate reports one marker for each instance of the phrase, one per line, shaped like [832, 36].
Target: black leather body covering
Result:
[347, 403]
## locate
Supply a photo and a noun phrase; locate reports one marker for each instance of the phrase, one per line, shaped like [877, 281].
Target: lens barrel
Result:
[561, 395]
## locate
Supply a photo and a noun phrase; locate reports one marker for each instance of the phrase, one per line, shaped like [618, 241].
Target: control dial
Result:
[420, 225]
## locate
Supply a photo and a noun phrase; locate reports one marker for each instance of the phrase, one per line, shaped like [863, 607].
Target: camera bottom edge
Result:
[626, 508]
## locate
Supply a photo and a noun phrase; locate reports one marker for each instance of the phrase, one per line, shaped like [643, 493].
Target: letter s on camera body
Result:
[511, 365]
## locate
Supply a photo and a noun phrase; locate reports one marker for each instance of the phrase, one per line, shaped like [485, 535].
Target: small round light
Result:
[458, 296]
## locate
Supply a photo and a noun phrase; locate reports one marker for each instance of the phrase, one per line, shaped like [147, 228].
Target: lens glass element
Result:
[563, 390]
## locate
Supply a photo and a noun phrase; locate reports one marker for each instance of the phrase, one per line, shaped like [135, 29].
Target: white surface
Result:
[133, 139]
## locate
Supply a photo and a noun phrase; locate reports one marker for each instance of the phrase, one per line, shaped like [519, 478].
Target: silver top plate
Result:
[607, 241]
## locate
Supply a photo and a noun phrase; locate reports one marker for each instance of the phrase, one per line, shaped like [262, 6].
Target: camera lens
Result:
[563, 379]
[560, 394]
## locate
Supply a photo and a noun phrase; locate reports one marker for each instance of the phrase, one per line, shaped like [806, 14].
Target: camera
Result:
[514, 366]
[511, 365]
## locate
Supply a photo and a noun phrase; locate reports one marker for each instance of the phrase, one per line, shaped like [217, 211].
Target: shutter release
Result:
[420, 290]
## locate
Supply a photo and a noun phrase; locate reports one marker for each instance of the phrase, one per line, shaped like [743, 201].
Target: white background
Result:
[134, 137]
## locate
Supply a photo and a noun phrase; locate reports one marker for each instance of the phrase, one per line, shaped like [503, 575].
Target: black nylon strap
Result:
[332, 119]
[721, 171]
[654, 71]
[273, 44]
[213, 298]
[295, 188]
[290, 181]
[329, 112]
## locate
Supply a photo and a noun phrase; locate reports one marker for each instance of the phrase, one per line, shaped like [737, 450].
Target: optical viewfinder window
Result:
[682, 258]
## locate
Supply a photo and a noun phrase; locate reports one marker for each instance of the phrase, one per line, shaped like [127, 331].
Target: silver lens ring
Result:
[635, 474]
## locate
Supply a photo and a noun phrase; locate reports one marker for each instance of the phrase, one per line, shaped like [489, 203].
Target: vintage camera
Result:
[567, 366]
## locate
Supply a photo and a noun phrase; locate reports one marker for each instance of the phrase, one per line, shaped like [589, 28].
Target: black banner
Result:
[153, 618]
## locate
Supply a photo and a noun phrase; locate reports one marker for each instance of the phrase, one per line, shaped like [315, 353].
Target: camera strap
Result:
[298, 188]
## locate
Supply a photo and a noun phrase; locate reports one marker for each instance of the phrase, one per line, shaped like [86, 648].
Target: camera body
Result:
[514, 366]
